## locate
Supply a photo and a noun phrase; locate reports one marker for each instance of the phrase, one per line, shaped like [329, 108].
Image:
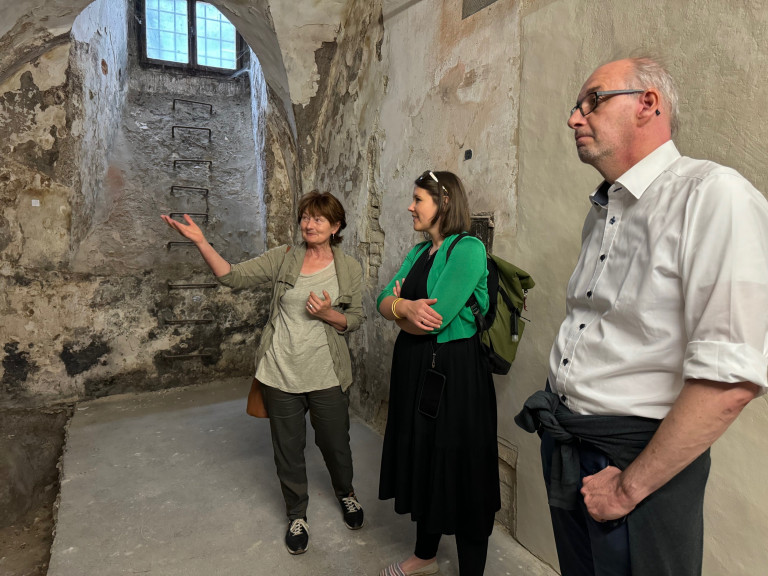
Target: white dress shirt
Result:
[671, 284]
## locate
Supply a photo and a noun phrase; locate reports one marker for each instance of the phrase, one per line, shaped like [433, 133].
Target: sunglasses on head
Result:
[431, 174]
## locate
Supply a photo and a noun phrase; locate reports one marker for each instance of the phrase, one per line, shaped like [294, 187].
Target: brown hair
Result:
[454, 214]
[326, 205]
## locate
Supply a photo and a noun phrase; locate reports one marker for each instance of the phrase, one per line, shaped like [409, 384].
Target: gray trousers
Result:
[329, 415]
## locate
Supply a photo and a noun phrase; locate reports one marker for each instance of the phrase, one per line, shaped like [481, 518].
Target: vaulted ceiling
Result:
[284, 34]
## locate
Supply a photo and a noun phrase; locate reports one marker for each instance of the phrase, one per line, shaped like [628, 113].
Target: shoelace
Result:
[351, 504]
[298, 526]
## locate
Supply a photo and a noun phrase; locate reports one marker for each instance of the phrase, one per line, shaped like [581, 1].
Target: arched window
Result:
[188, 34]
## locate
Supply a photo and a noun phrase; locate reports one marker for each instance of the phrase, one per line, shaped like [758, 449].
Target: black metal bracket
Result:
[210, 106]
[177, 127]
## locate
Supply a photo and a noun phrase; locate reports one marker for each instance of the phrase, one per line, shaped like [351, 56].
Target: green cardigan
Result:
[280, 267]
[452, 283]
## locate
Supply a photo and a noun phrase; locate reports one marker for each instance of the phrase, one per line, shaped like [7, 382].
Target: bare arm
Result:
[415, 316]
[192, 232]
[700, 415]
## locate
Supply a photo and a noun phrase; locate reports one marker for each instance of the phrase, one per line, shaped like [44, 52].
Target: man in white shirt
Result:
[665, 339]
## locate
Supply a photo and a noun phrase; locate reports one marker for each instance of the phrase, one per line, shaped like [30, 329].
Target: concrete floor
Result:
[182, 482]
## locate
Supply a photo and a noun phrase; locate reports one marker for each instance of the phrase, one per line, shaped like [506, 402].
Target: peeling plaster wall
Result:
[38, 177]
[303, 29]
[716, 52]
[98, 74]
[94, 317]
[283, 184]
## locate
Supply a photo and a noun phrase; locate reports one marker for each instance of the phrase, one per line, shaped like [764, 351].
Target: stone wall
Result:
[85, 261]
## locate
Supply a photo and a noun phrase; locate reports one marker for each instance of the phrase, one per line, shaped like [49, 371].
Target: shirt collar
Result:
[638, 178]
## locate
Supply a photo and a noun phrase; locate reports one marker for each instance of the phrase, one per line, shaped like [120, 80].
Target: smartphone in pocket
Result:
[431, 393]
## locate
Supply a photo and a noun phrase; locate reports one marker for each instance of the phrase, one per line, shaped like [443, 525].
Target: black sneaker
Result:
[353, 512]
[297, 536]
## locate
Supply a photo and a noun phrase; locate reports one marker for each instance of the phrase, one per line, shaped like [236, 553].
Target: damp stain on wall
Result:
[77, 358]
[16, 368]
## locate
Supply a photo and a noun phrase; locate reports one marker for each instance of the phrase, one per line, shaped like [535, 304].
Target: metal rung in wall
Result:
[193, 355]
[210, 320]
[186, 286]
[193, 102]
[177, 127]
[203, 191]
[192, 161]
[203, 214]
[182, 244]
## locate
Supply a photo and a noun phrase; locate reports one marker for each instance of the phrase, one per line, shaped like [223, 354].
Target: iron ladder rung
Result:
[210, 106]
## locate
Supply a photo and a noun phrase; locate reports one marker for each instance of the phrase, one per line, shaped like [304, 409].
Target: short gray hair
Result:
[649, 72]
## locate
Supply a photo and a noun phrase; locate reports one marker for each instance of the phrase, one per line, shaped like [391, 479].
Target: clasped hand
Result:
[604, 495]
[419, 312]
[318, 307]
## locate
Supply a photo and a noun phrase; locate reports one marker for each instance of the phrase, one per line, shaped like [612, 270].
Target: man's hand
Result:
[701, 413]
[604, 497]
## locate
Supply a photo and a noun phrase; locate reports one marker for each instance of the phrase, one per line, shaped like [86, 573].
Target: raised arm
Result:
[192, 232]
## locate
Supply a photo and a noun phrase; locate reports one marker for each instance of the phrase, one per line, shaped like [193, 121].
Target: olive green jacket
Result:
[280, 267]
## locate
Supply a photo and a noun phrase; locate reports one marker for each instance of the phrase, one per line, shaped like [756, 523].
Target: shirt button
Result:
[565, 361]
[589, 294]
[602, 257]
[613, 220]
[582, 326]
[563, 398]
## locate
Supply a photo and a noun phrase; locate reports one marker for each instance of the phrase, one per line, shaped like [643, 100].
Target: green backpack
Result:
[500, 328]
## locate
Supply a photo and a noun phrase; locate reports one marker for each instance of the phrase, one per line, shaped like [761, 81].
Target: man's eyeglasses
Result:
[588, 104]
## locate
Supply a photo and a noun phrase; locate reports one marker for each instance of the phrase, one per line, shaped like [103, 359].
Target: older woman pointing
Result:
[302, 360]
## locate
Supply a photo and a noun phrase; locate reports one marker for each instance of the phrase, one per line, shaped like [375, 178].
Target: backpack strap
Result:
[479, 318]
[453, 244]
[472, 302]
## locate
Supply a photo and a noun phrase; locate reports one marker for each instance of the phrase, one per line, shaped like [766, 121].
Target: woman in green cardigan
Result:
[302, 359]
[440, 457]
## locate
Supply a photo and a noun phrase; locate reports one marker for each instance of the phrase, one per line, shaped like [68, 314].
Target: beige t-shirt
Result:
[299, 359]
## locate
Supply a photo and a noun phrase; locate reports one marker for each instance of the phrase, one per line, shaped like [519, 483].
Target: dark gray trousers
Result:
[329, 414]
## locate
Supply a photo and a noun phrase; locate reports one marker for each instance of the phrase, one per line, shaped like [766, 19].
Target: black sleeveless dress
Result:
[442, 470]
